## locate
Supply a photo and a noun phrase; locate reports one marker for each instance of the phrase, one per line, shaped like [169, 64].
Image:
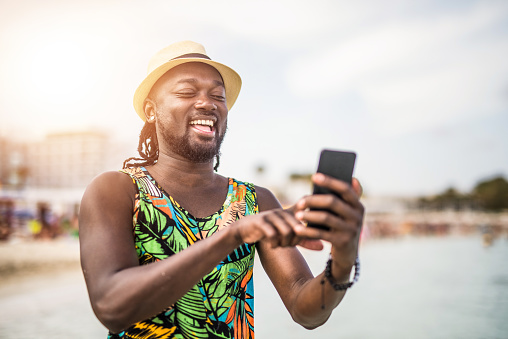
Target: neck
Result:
[183, 171]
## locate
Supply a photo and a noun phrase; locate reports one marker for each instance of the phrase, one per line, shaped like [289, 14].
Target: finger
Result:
[292, 222]
[311, 244]
[300, 205]
[324, 218]
[270, 234]
[291, 209]
[312, 233]
[331, 203]
[342, 188]
[357, 187]
[281, 222]
[339, 240]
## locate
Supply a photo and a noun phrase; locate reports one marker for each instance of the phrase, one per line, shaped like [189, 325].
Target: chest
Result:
[200, 201]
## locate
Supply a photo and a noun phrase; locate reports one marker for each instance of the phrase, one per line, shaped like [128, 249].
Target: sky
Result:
[418, 89]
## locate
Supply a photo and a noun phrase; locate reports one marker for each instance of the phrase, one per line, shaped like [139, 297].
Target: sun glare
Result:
[59, 71]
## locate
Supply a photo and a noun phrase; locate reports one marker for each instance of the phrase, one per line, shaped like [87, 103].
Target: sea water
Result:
[432, 287]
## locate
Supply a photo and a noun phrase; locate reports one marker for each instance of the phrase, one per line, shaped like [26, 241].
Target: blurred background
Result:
[419, 90]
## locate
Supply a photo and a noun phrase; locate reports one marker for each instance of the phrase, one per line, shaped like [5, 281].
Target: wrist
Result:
[340, 273]
[341, 280]
[235, 235]
[341, 266]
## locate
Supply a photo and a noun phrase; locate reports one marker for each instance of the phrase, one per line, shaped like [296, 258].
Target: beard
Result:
[194, 152]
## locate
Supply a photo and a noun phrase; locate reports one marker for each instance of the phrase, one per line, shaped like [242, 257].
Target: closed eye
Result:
[219, 97]
[187, 93]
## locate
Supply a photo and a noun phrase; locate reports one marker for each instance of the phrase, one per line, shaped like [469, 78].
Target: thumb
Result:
[357, 187]
[299, 206]
[311, 244]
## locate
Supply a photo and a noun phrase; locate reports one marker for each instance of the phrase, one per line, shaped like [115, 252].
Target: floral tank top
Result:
[221, 305]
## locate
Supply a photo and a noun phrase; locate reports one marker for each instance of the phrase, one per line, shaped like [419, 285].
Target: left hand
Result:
[343, 216]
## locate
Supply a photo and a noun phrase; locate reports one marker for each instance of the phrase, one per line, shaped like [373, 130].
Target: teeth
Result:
[202, 122]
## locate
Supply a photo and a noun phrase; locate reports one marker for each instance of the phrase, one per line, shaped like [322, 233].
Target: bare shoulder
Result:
[111, 179]
[266, 199]
[110, 183]
[109, 197]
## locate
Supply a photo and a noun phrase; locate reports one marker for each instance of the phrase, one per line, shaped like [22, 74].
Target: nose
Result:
[205, 103]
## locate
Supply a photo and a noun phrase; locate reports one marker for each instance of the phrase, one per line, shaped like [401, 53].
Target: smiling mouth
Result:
[205, 126]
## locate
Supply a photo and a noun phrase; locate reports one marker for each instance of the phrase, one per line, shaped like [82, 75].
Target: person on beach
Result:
[168, 244]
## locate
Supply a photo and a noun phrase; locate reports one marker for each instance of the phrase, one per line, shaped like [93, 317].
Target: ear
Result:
[149, 109]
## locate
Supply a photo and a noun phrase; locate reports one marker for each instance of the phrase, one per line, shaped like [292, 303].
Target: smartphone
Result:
[337, 164]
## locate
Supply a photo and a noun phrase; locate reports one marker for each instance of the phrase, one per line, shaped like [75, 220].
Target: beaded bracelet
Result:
[344, 286]
[337, 287]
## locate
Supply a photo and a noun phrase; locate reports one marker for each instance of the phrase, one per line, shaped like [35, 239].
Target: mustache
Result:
[202, 114]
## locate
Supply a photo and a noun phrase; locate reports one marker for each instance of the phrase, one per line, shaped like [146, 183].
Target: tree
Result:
[492, 194]
[449, 199]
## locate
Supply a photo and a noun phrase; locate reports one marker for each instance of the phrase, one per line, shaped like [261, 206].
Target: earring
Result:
[152, 119]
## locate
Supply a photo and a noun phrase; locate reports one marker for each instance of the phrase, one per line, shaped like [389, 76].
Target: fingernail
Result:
[319, 177]
[300, 227]
[300, 203]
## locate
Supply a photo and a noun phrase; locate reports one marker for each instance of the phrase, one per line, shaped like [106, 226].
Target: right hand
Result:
[278, 227]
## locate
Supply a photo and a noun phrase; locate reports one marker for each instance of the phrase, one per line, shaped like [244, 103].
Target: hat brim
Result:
[232, 82]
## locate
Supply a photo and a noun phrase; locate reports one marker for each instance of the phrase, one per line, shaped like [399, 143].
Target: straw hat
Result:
[177, 54]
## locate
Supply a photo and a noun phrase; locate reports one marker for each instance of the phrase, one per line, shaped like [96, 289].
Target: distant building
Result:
[4, 162]
[68, 159]
[45, 180]
[13, 167]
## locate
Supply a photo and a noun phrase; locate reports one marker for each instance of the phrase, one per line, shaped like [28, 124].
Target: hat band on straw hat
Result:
[192, 55]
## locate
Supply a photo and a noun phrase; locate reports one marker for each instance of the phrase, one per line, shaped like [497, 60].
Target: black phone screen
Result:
[337, 164]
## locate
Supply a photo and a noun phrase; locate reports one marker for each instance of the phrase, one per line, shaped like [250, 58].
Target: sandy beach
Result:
[24, 259]
[42, 291]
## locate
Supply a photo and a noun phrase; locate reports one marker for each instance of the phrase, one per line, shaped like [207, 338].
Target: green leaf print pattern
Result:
[221, 305]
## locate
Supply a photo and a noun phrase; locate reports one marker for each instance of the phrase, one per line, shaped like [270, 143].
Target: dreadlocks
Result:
[148, 149]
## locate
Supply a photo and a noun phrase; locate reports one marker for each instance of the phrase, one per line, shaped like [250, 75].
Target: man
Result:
[167, 244]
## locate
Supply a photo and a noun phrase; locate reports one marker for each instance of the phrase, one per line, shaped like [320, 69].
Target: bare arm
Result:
[302, 293]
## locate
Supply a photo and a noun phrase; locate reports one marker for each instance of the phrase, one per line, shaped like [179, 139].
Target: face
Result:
[189, 103]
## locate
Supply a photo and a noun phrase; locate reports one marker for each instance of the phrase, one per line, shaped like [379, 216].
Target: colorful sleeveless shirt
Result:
[221, 305]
